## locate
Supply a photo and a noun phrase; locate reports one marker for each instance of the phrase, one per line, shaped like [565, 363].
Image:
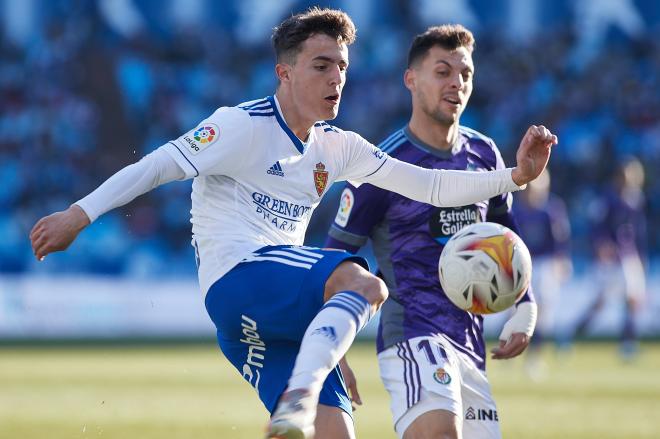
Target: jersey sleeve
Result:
[217, 146]
[363, 161]
[500, 204]
[360, 210]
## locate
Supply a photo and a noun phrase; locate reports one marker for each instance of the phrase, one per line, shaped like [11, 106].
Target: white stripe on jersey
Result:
[290, 255]
[305, 252]
[261, 110]
[278, 260]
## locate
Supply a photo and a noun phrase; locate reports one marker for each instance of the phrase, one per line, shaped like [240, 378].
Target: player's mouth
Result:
[453, 101]
[333, 99]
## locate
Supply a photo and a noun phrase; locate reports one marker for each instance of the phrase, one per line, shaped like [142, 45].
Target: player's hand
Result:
[512, 347]
[533, 154]
[351, 383]
[56, 232]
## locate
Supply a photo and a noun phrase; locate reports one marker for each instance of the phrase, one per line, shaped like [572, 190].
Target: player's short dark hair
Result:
[448, 36]
[289, 36]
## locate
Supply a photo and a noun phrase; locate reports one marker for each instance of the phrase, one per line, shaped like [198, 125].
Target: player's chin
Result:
[330, 113]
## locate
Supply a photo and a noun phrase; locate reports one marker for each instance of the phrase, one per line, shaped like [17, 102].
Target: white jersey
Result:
[257, 184]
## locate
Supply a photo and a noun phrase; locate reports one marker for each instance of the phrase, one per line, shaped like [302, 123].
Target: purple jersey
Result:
[408, 237]
[545, 229]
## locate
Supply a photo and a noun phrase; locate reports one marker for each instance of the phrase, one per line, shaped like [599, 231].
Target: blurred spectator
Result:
[620, 247]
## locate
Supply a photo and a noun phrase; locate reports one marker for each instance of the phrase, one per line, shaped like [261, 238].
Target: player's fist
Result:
[56, 232]
[533, 154]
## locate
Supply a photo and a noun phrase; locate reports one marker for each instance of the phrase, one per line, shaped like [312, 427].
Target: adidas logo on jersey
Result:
[276, 169]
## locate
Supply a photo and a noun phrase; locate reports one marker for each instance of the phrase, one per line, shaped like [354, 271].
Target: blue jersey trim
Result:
[378, 169]
[326, 127]
[393, 141]
[258, 103]
[262, 114]
[184, 156]
[300, 146]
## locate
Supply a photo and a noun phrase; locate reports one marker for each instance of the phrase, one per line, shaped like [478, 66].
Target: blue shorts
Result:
[262, 308]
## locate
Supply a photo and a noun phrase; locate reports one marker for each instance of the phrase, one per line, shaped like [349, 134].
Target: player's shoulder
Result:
[475, 136]
[333, 134]
[258, 108]
[325, 127]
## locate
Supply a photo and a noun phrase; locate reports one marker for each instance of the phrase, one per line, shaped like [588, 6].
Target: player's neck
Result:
[300, 125]
[437, 135]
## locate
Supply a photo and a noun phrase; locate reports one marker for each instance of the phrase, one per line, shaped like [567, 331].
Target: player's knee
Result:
[436, 424]
[349, 276]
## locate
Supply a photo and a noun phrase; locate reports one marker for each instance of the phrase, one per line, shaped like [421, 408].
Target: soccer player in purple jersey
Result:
[619, 224]
[546, 230]
[432, 354]
[259, 170]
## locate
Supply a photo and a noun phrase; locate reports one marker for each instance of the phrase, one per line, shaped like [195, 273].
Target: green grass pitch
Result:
[192, 392]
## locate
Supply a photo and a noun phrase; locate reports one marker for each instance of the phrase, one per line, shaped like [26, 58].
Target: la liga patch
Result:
[201, 138]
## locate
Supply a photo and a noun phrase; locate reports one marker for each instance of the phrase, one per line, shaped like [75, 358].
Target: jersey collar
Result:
[443, 154]
[299, 144]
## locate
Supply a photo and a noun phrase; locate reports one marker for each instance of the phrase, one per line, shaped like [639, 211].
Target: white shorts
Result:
[426, 373]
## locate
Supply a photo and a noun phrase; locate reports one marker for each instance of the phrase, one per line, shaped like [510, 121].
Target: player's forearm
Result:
[445, 188]
[153, 170]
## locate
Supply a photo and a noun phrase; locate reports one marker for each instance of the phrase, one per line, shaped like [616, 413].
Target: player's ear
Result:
[409, 79]
[283, 72]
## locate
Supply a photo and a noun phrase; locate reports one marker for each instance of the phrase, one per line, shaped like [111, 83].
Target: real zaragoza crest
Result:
[320, 178]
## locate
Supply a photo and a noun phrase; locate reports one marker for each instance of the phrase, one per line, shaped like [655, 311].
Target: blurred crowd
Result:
[89, 87]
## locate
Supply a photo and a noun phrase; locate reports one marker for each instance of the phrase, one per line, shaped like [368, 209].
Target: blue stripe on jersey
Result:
[262, 114]
[253, 104]
[326, 127]
[395, 145]
[264, 106]
[381, 165]
[184, 156]
[394, 138]
[260, 108]
[296, 141]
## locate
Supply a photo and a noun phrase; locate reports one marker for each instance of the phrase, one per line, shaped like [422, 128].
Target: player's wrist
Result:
[519, 178]
[523, 320]
[79, 218]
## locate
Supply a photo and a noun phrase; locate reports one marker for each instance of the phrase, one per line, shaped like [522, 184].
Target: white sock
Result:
[328, 338]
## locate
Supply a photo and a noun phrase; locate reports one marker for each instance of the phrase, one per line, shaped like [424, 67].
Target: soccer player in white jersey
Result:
[286, 314]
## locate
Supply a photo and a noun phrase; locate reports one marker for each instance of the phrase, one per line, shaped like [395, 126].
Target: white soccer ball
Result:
[485, 268]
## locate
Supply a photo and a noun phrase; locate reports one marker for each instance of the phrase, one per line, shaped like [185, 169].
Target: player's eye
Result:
[467, 76]
[321, 68]
[443, 73]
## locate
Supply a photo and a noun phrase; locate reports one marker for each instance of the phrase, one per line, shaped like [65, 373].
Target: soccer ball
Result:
[485, 268]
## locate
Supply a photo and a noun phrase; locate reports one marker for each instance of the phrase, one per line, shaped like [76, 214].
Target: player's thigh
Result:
[421, 376]
[434, 424]
[480, 418]
[333, 423]
[276, 292]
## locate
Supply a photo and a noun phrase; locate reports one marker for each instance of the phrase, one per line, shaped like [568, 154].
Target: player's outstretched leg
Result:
[352, 295]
